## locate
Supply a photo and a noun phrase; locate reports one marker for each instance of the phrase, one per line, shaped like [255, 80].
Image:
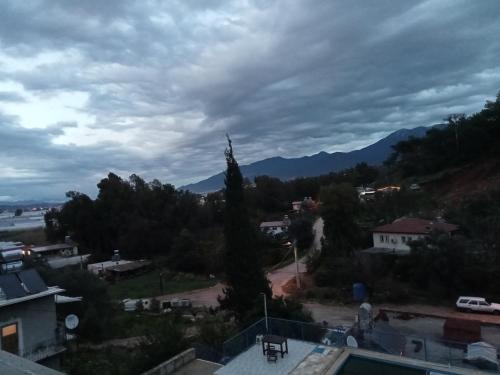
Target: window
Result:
[482, 303]
[386, 238]
[409, 238]
[403, 239]
[10, 338]
[381, 238]
[463, 301]
[474, 303]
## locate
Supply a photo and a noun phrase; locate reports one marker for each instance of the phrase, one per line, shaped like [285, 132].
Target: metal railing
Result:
[450, 353]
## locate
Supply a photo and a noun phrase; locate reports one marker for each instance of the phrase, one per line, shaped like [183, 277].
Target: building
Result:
[59, 255]
[396, 236]
[296, 206]
[28, 324]
[275, 227]
[258, 350]
[117, 268]
[11, 364]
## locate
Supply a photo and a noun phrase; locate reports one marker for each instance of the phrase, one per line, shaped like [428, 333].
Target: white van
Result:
[477, 304]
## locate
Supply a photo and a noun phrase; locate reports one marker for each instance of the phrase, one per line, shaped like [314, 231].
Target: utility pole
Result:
[297, 274]
[265, 310]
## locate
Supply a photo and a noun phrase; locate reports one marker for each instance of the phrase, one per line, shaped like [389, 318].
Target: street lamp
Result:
[265, 310]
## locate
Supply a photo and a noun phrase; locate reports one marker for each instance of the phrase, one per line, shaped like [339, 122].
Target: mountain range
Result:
[314, 165]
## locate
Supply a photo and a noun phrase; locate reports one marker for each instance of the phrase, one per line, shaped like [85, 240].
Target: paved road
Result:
[278, 278]
[343, 314]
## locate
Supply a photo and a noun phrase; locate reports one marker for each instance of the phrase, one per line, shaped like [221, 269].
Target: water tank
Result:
[358, 292]
[365, 316]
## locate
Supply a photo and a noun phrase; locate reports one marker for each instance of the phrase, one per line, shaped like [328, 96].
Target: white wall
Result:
[394, 241]
[273, 230]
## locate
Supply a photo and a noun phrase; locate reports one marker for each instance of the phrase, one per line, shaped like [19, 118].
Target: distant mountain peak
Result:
[313, 165]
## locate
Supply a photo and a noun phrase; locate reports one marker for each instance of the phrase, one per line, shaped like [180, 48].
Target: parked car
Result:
[477, 304]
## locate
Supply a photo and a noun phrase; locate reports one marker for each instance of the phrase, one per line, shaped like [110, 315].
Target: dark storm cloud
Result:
[283, 78]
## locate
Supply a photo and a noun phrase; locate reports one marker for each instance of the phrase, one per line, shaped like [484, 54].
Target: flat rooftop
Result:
[11, 364]
[254, 362]
[198, 367]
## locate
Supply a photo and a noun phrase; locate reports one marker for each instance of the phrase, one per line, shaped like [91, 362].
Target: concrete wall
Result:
[395, 241]
[173, 364]
[36, 321]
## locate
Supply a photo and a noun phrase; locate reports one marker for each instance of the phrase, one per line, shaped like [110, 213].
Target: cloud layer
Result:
[151, 87]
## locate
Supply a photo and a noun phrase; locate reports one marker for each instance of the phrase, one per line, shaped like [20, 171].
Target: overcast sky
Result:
[151, 87]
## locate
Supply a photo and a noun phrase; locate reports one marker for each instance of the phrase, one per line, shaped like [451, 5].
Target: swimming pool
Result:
[363, 366]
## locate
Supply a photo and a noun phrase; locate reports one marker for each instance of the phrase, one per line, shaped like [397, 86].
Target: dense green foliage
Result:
[141, 220]
[463, 139]
[95, 311]
[301, 230]
[242, 259]
[159, 343]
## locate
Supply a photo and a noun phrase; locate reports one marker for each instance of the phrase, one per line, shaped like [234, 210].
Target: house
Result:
[296, 206]
[308, 204]
[131, 268]
[59, 255]
[396, 236]
[274, 346]
[11, 364]
[275, 227]
[365, 194]
[117, 268]
[28, 324]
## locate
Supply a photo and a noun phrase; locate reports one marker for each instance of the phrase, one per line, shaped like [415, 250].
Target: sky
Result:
[152, 87]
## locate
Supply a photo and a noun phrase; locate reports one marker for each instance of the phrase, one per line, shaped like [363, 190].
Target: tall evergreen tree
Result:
[244, 275]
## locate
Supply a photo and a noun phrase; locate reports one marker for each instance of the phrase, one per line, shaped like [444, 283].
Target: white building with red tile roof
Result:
[395, 237]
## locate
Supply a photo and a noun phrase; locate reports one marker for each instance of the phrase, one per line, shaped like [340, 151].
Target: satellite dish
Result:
[351, 342]
[71, 321]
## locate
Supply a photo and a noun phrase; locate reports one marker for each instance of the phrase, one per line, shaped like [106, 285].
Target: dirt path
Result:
[278, 278]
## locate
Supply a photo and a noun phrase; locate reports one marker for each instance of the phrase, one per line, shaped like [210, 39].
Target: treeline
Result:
[145, 219]
[142, 220]
[463, 139]
[271, 195]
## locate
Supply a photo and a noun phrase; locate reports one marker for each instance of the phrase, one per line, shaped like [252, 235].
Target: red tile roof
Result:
[415, 226]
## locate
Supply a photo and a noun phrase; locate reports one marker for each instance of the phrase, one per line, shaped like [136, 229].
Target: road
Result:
[341, 314]
[278, 278]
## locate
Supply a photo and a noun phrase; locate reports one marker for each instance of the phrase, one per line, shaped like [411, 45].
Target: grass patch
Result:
[148, 285]
[29, 236]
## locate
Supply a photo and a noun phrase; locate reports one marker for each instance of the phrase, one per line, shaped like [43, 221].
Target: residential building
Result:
[60, 255]
[11, 364]
[28, 324]
[296, 206]
[258, 351]
[117, 267]
[275, 227]
[396, 236]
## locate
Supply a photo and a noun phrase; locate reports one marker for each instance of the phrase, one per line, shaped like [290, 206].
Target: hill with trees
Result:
[314, 165]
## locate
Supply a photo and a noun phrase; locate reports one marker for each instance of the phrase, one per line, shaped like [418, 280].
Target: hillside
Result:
[314, 165]
[454, 184]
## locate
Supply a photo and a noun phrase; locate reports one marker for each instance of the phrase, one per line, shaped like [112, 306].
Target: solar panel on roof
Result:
[11, 286]
[32, 280]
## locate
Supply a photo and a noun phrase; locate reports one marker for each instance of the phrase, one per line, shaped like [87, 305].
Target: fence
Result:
[451, 353]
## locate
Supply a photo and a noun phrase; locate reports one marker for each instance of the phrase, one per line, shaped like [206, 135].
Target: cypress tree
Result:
[244, 275]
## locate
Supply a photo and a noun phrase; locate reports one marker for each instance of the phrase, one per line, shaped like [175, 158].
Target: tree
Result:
[18, 212]
[96, 309]
[339, 210]
[301, 230]
[242, 262]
